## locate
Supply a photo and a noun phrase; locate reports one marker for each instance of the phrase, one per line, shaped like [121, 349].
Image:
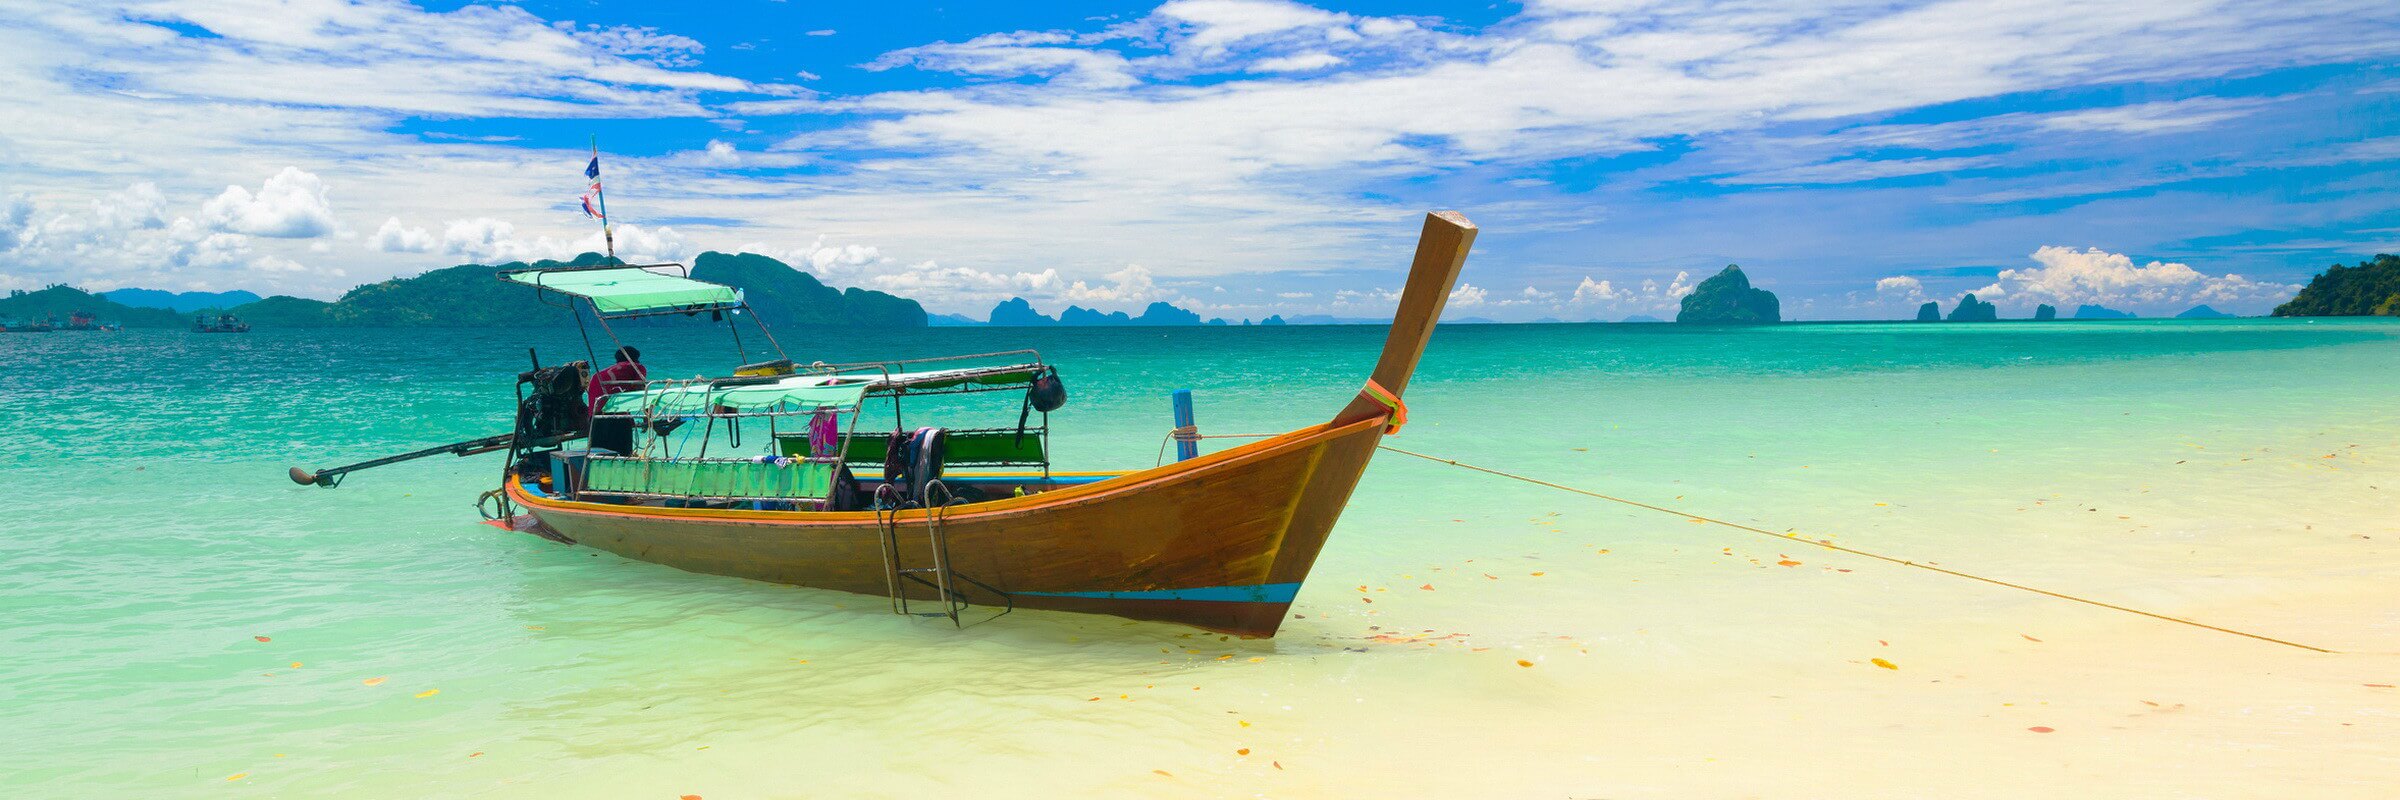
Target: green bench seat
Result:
[984, 447]
[728, 478]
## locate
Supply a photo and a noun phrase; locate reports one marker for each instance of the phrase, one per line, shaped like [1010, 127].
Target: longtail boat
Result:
[1221, 541]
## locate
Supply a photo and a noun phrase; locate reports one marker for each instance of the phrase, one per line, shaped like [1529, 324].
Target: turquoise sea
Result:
[182, 621]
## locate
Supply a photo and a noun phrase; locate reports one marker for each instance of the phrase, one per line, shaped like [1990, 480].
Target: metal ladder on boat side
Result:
[945, 580]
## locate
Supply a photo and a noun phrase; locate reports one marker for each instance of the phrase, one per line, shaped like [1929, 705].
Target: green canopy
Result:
[821, 390]
[804, 391]
[627, 289]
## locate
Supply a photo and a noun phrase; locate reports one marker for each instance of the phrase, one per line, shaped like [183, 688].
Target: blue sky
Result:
[1238, 157]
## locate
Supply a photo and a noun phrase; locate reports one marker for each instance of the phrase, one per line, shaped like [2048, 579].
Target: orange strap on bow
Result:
[1399, 414]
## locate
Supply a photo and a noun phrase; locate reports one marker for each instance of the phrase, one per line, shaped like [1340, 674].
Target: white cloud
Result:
[964, 289]
[826, 261]
[1467, 295]
[2159, 117]
[640, 44]
[487, 240]
[1131, 286]
[1302, 62]
[1902, 287]
[1591, 291]
[2068, 277]
[396, 238]
[1856, 170]
[290, 205]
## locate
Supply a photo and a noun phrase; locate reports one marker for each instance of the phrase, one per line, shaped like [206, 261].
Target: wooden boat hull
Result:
[1221, 542]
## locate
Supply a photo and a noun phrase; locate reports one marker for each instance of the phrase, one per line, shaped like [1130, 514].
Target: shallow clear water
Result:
[2221, 468]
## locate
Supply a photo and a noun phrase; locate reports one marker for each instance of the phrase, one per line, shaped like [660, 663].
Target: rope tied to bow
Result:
[1398, 415]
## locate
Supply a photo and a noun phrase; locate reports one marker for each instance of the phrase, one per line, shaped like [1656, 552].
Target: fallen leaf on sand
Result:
[1537, 574]
[1787, 563]
[1242, 752]
[428, 693]
[475, 754]
[372, 681]
[1366, 600]
[2029, 638]
[1882, 663]
[1164, 772]
[1278, 764]
[2040, 729]
[1244, 724]
[262, 638]
[295, 665]
[1524, 663]
[1427, 587]
[689, 797]
[237, 776]
[2379, 686]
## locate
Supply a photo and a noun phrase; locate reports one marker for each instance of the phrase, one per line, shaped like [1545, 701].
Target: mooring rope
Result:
[1851, 550]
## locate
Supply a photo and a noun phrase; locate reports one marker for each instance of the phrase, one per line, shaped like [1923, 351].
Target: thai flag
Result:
[593, 171]
[588, 210]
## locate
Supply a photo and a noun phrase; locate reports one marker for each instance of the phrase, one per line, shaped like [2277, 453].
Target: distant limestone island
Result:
[1727, 298]
[2372, 288]
[471, 296]
[1970, 309]
[1020, 313]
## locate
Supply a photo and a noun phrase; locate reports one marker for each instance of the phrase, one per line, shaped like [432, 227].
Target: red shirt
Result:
[619, 377]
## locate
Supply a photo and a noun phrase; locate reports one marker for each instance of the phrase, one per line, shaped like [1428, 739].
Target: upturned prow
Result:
[1441, 252]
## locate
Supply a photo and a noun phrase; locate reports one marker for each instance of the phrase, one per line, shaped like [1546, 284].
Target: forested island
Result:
[472, 296]
[1727, 298]
[2371, 288]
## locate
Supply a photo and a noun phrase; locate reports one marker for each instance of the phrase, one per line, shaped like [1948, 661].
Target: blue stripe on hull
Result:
[1261, 593]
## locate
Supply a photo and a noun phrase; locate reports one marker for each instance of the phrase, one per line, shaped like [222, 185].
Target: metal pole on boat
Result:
[1187, 440]
[606, 235]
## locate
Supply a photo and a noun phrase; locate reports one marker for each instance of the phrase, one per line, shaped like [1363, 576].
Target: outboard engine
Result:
[551, 407]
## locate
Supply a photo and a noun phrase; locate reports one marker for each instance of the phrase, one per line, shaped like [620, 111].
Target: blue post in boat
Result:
[1186, 448]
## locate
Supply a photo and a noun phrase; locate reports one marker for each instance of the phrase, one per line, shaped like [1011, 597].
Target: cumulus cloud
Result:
[290, 205]
[396, 238]
[1591, 291]
[1901, 287]
[1468, 295]
[2069, 277]
[488, 240]
[1126, 287]
[823, 259]
[964, 289]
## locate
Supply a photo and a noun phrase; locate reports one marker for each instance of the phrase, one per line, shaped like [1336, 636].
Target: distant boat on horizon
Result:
[223, 323]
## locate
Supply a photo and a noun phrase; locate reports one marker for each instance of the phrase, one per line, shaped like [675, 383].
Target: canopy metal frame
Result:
[738, 308]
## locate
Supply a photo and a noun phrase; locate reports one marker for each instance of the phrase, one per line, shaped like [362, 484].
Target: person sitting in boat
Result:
[615, 433]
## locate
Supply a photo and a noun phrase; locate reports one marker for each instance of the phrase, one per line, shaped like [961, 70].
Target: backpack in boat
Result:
[1045, 393]
[925, 451]
[912, 460]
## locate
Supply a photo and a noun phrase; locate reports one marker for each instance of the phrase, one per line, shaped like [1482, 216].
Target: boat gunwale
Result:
[1004, 507]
